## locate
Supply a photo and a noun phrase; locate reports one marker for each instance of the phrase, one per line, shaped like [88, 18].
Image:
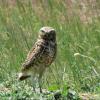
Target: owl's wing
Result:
[33, 56]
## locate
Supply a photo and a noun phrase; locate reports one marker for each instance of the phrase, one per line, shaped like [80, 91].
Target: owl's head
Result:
[47, 33]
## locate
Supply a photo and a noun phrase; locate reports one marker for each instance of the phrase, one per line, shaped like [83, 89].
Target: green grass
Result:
[77, 65]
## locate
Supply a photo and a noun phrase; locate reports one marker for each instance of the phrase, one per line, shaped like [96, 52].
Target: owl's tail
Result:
[22, 76]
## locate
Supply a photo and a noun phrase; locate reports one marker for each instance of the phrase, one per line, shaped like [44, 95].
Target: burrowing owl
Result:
[40, 56]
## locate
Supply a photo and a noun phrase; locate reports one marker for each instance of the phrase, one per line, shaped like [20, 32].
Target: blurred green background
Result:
[77, 23]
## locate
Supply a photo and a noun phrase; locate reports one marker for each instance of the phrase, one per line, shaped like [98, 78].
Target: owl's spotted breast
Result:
[49, 53]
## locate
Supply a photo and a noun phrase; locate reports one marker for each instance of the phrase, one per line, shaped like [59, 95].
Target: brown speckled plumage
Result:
[41, 55]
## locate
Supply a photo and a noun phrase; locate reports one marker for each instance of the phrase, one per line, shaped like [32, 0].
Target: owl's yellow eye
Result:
[42, 31]
[52, 31]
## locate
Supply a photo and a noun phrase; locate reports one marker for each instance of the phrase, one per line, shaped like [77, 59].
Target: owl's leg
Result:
[40, 85]
[33, 87]
[40, 82]
[33, 80]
